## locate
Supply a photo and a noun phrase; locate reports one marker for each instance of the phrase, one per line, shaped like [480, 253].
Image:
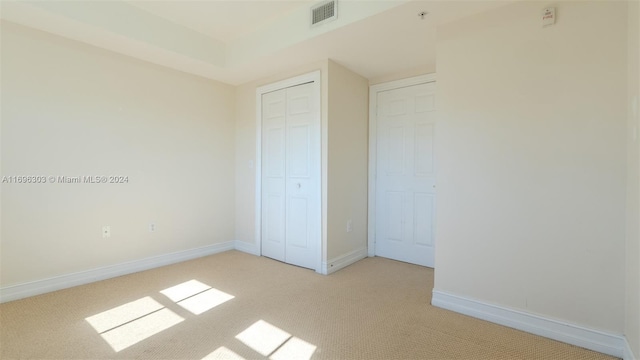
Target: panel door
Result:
[405, 179]
[303, 220]
[291, 202]
[273, 174]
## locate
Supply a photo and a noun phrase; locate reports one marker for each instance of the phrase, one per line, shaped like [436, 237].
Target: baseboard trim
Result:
[607, 343]
[19, 291]
[246, 247]
[343, 261]
[627, 353]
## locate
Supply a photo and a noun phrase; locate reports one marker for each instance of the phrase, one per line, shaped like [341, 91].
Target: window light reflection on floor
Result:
[205, 301]
[196, 297]
[263, 337]
[185, 290]
[222, 353]
[128, 324]
[294, 349]
[269, 340]
[132, 333]
[122, 314]
[133, 322]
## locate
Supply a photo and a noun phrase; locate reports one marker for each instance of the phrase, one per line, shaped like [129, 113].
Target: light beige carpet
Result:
[374, 309]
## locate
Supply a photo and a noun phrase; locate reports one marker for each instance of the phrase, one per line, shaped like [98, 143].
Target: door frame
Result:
[315, 78]
[373, 146]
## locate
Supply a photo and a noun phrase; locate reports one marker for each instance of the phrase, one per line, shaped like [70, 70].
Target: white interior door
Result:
[273, 174]
[405, 178]
[303, 212]
[291, 203]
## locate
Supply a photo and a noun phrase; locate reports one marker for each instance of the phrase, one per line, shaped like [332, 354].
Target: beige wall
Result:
[246, 147]
[347, 161]
[632, 315]
[531, 161]
[417, 71]
[71, 109]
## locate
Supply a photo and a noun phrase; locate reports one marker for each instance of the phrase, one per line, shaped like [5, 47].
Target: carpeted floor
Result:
[374, 309]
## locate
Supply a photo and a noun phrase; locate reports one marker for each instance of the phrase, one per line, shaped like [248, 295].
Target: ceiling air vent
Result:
[324, 12]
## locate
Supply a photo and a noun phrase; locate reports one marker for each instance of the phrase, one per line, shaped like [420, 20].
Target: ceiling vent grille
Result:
[324, 12]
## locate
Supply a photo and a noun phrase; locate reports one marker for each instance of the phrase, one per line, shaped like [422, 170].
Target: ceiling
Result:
[237, 41]
[221, 20]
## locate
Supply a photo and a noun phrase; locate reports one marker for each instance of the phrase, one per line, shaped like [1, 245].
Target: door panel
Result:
[274, 219]
[395, 216]
[396, 107]
[299, 143]
[303, 177]
[297, 232]
[299, 103]
[425, 102]
[405, 180]
[424, 149]
[275, 149]
[273, 175]
[423, 218]
[291, 176]
[395, 155]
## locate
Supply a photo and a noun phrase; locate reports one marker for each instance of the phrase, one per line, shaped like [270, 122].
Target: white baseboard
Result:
[627, 353]
[607, 343]
[249, 248]
[19, 291]
[343, 261]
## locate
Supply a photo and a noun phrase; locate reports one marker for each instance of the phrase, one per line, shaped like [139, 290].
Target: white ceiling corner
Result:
[222, 20]
[236, 41]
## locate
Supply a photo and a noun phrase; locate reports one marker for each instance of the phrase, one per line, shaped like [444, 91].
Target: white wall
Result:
[347, 161]
[632, 315]
[72, 109]
[531, 161]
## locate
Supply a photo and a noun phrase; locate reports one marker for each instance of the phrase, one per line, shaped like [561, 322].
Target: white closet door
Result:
[303, 177]
[405, 180]
[273, 174]
[291, 176]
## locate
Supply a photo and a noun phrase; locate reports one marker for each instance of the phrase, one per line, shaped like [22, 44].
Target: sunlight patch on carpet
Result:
[132, 333]
[294, 349]
[277, 344]
[123, 314]
[205, 301]
[196, 297]
[185, 290]
[133, 322]
[222, 353]
[263, 337]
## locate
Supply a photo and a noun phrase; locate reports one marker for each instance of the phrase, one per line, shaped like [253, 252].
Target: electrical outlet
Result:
[106, 231]
[349, 226]
[152, 227]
